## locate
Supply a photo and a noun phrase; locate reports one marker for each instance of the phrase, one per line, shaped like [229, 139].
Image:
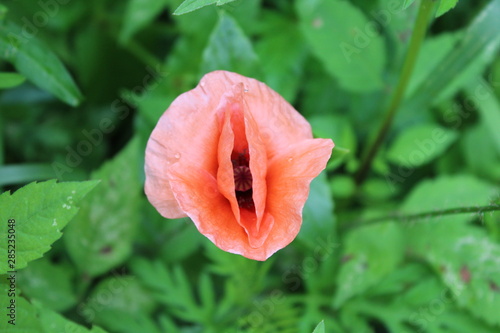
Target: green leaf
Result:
[229, 49]
[463, 255]
[420, 145]
[488, 106]
[49, 283]
[192, 5]
[320, 328]
[282, 52]
[40, 211]
[354, 54]
[38, 63]
[10, 80]
[369, 254]
[445, 5]
[139, 14]
[318, 219]
[36, 318]
[101, 236]
[407, 3]
[127, 305]
[464, 62]
[25, 173]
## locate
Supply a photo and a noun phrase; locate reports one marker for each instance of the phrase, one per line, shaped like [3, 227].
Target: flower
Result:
[237, 159]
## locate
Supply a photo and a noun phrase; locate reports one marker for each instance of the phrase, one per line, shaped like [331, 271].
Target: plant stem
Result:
[426, 215]
[424, 13]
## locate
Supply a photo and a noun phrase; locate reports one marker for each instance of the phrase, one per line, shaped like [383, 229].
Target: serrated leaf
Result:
[355, 57]
[101, 236]
[419, 145]
[320, 328]
[34, 317]
[444, 6]
[10, 80]
[229, 49]
[51, 284]
[192, 5]
[40, 211]
[139, 13]
[369, 254]
[37, 63]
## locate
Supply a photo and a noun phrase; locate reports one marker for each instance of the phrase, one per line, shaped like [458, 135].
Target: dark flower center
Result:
[243, 179]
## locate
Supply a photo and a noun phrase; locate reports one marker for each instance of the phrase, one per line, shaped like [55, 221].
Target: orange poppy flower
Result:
[237, 159]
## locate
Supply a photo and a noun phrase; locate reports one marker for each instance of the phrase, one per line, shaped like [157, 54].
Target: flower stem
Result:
[424, 13]
[426, 215]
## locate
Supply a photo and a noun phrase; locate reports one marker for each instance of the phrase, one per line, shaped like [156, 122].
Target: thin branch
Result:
[424, 215]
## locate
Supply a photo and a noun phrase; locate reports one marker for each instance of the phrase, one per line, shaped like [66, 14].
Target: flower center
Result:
[243, 179]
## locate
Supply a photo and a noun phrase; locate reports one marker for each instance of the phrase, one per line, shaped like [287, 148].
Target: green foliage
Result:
[101, 236]
[413, 246]
[10, 80]
[36, 62]
[229, 49]
[37, 214]
[420, 144]
[359, 64]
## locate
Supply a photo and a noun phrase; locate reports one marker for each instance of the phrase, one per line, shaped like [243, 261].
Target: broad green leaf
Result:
[463, 255]
[464, 62]
[49, 283]
[39, 212]
[10, 80]
[479, 152]
[370, 253]
[124, 307]
[320, 328]
[447, 192]
[355, 53]
[192, 5]
[340, 130]
[139, 13]
[101, 236]
[282, 52]
[229, 49]
[488, 106]
[420, 144]
[37, 63]
[444, 6]
[318, 219]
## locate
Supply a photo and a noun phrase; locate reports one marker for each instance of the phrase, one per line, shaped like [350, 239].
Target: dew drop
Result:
[177, 155]
[290, 159]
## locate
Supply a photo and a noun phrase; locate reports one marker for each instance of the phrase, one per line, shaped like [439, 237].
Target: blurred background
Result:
[83, 83]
